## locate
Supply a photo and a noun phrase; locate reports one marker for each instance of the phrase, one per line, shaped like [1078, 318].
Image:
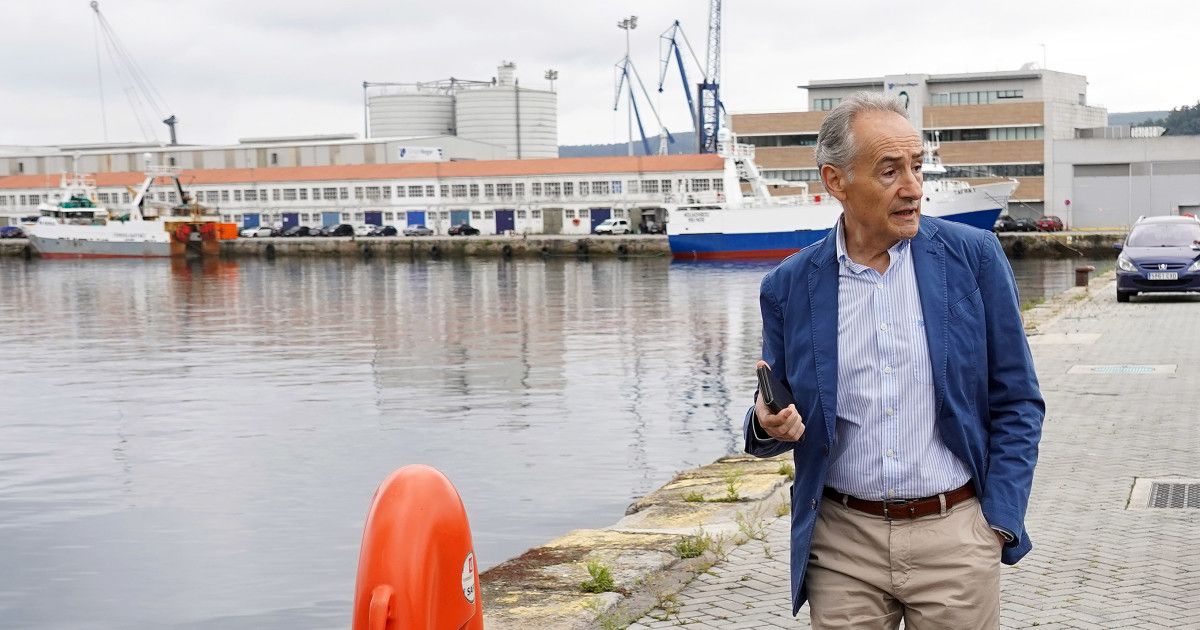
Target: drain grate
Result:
[1175, 495]
[1164, 493]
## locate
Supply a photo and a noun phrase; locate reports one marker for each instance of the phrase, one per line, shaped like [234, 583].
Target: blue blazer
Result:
[989, 408]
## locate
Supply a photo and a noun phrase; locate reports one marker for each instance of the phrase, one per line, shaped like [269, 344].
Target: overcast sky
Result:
[231, 69]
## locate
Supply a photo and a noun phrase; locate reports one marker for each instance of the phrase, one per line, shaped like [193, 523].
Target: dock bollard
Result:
[1081, 275]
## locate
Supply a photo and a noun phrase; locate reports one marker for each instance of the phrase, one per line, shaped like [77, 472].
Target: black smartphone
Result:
[775, 396]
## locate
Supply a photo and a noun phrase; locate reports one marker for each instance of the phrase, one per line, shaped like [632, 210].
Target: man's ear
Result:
[835, 181]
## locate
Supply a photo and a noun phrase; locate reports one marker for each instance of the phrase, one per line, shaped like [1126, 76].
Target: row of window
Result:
[795, 174]
[391, 217]
[984, 170]
[988, 134]
[976, 98]
[997, 170]
[505, 190]
[782, 140]
[825, 104]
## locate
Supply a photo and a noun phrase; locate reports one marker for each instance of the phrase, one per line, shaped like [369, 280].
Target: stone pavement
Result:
[1098, 560]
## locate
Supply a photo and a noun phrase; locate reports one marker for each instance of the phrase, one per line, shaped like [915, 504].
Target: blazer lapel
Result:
[929, 263]
[823, 296]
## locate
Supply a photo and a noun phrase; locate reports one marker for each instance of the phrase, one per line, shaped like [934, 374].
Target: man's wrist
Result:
[1004, 533]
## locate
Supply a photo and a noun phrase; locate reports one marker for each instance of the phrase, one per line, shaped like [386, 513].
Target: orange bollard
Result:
[417, 568]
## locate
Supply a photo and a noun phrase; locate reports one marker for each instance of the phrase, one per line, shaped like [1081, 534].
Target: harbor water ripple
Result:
[196, 445]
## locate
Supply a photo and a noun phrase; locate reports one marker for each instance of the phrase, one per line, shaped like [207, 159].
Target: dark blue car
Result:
[1160, 254]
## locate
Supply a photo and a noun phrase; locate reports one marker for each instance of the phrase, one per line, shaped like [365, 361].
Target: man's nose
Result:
[910, 185]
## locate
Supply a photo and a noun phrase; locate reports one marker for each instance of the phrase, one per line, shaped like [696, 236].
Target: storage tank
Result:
[523, 121]
[409, 114]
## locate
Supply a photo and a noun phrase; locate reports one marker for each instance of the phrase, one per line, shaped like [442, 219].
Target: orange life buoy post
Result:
[417, 568]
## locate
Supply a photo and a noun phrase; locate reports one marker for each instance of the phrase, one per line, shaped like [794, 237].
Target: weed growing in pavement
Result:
[693, 497]
[787, 470]
[753, 527]
[783, 509]
[601, 580]
[733, 479]
[607, 619]
[693, 546]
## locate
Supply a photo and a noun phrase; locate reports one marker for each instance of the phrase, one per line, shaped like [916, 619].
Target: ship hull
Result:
[78, 248]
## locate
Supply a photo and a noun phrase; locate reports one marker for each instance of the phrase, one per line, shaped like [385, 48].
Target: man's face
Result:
[883, 198]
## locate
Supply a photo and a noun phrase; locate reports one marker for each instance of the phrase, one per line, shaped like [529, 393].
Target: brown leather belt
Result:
[905, 508]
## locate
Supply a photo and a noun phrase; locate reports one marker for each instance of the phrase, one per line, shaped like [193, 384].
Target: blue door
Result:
[250, 220]
[459, 217]
[291, 219]
[415, 218]
[505, 221]
[374, 218]
[599, 215]
[330, 218]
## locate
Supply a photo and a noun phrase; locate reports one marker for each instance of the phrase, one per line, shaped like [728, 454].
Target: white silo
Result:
[523, 121]
[411, 113]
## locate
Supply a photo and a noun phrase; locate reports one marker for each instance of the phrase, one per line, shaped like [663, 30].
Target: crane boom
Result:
[710, 102]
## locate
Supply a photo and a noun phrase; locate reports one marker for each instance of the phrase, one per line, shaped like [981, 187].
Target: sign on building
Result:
[420, 154]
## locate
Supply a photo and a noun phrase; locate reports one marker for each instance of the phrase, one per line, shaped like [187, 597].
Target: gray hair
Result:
[835, 142]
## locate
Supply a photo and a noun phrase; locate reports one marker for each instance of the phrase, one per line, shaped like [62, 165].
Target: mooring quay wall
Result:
[1035, 245]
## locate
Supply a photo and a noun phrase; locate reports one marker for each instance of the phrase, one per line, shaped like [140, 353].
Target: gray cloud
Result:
[236, 68]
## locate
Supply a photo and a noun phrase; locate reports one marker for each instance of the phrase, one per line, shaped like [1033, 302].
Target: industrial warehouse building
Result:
[551, 196]
[989, 124]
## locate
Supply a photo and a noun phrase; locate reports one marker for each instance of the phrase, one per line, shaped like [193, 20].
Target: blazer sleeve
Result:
[758, 443]
[1015, 405]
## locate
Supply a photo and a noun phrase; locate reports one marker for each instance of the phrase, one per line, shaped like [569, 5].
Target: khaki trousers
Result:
[938, 571]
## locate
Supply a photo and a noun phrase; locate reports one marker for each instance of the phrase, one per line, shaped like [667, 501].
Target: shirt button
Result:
[890, 411]
[812, 504]
[878, 285]
[890, 453]
[891, 493]
[883, 326]
[887, 369]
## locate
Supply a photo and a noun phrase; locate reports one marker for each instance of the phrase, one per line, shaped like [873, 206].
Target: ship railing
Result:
[735, 150]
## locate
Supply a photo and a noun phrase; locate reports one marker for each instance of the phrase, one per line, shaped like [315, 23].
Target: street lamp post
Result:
[551, 75]
[628, 24]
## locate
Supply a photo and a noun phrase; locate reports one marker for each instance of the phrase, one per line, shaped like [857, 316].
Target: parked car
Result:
[1050, 223]
[298, 230]
[463, 229]
[1160, 254]
[341, 229]
[613, 226]
[384, 230]
[1009, 224]
[363, 230]
[11, 231]
[417, 230]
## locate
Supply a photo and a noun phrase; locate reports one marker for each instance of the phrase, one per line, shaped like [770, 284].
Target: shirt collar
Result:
[844, 258]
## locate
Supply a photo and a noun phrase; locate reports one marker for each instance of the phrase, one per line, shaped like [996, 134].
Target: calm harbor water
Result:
[195, 446]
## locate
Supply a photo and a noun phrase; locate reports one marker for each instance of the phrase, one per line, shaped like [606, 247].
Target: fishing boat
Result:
[735, 225]
[73, 225]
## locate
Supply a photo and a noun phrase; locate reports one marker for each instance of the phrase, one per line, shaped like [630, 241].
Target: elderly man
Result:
[917, 414]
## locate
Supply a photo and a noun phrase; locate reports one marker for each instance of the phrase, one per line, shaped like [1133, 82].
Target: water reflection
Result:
[204, 439]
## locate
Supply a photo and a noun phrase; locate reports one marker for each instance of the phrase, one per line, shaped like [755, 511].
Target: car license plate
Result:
[1163, 275]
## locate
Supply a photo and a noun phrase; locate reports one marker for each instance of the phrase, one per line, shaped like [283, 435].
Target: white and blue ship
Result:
[737, 225]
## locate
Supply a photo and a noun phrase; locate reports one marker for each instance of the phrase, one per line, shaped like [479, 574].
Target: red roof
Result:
[413, 170]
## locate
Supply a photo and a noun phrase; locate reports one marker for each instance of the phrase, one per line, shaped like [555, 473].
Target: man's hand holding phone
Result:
[785, 422]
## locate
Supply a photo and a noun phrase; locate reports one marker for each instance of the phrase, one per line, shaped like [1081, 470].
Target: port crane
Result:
[145, 100]
[706, 108]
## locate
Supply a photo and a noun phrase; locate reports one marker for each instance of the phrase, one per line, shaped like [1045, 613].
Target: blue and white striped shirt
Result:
[887, 444]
